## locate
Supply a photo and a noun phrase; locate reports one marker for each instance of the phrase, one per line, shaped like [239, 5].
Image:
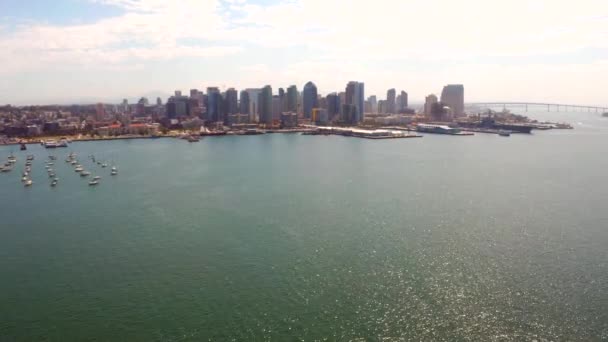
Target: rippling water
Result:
[290, 237]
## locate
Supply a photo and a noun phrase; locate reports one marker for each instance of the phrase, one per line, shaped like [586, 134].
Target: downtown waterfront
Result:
[284, 237]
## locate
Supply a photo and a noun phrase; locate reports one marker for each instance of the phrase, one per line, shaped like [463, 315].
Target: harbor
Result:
[26, 177]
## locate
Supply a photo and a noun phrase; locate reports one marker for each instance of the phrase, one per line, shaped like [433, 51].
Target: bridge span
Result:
[549, 106]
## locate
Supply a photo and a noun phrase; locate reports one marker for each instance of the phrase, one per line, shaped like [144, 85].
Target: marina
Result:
[49, 165]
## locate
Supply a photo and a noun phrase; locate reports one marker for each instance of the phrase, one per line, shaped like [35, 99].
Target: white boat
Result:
[54, 183]
[114, 171]
[73, 162]
[504, 133]
[104, 165]
[94, 182]
[85, 173]
[96, 178]
[78, 169]
[28, 183]
[24, 179]
[6, 169]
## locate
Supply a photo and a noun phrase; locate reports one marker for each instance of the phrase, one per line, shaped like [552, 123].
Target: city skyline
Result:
[83, 51]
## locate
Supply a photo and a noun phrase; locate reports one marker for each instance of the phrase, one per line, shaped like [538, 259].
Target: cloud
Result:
[149, 30]
[417, 45]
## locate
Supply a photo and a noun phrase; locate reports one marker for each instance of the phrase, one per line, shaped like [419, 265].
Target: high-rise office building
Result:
[429, 102]
[265, 105]
[214, 105]
[403, 101]
[231, 100]
[453, 97]
[292, 99]
[349, 114]
[333, 106]
[276, 107]
[309, 99]
[254, 110]
[159, 101]
[355, 95]
[244, 102]
[390, 101]
[178, 106]
[373, 104]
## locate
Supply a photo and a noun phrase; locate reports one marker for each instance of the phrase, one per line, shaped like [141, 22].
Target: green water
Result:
[290, 237]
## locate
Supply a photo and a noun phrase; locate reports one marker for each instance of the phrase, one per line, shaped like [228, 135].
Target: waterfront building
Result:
[231, 100]
[403, 101]
[292, 99]
[309, 99]
[429, 103]
[215, 105]
[390, 101]
[373, 104]
[453, 96]
[289, 119]
[265, 105]
[319, 116]
[276, 107]
[254, 94]
[244, 102]
[354, 95]
[349, 114]
[333, 106]
[381, 107]
[178, 106]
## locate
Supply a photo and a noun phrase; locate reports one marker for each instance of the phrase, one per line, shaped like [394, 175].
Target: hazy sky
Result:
[79, 50]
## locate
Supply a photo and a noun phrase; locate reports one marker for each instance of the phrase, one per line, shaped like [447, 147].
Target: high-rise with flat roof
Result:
[309, 99]
[390, 101]
[244, 102]
[333, 106]
[292, 99]
[265, 105]
[232, 101]
[403, 101]
[354, 95]
[214, 105]
[453, 96]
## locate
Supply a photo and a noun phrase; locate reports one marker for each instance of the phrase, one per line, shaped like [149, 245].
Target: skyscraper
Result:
[292, 99]
[429, 102]
[403, 101]
[214, 105]
[333, 106]
[373, 103]
[254, 108]
[232, 101]
[309, 100]
[244, 102]
[390, 101]
[453, 97]
[265, 105]
[355, 95]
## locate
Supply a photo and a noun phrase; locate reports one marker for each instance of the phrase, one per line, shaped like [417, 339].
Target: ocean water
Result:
[284, 237]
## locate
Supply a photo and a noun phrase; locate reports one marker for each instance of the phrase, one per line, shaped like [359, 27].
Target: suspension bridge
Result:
[550, 107]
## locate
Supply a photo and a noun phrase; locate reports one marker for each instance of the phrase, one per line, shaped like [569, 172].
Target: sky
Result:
[76, 51]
